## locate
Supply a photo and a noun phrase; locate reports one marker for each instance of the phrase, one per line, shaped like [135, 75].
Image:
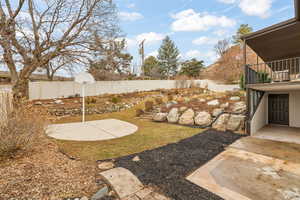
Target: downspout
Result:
[297, 9]
[248, 99]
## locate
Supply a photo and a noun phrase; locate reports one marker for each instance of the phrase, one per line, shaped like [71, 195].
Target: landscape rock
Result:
[101, 193]
[38, 103]
[136, 159]
[160, 117]
[171, 103]
[174, 102]
[239, 107]
[203, 119]
[213, 102]
[224, 105]
[173, 115]
[183, 109]
[187, 118]
[235, 122]
[58, 101]
[106, 165]
[221, 122]
[235, 98]
[186, 99]
[202, 100]
[217, 112]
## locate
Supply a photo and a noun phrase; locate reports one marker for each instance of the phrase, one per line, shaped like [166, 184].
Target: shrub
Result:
[263, 77]
[91, 100]
[19, 129]
[170, 97]
[159, 100]
[242, 82]
[139, 112]
[116, 100]
[149, 106]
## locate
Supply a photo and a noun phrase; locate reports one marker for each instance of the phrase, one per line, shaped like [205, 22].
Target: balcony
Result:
[279, 71]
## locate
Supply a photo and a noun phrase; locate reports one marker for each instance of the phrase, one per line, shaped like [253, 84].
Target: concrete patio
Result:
[91, 130]
[253, 169]
[279, 133]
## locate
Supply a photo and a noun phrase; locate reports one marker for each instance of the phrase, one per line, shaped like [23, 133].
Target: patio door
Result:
[279, 109]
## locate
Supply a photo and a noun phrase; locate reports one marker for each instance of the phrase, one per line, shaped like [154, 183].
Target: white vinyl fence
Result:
[62, 89]
[5, 88]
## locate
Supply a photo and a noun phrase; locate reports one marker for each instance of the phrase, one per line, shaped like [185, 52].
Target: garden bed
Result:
[166, 167]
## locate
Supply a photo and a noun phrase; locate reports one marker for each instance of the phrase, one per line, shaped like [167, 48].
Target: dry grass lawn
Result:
[149, 136]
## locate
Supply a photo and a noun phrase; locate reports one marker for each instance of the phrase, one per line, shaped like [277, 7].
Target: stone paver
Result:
[92, 130]
[128, 187]
[122, 181]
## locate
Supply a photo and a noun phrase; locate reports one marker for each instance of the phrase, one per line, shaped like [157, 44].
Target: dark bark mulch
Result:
[166, 167]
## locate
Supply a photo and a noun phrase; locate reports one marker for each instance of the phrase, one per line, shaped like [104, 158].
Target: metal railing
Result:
[274, 71]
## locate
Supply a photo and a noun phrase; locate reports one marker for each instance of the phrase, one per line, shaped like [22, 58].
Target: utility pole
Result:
[142, 54]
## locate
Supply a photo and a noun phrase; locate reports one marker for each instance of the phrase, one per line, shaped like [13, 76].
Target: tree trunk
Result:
[50, 74]
[20, 91]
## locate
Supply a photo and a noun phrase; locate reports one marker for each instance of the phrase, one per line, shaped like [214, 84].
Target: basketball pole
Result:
[83, 103]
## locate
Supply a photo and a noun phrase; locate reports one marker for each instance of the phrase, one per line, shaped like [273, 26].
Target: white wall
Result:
[295, 109]
[59, 89]
[260, 118]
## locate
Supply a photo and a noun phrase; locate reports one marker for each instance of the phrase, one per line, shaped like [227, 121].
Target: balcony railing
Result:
[275, 71]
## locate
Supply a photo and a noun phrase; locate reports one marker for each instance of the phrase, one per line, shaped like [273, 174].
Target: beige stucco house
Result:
[273, 87]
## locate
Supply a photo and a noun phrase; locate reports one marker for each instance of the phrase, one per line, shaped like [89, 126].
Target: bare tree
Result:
[221, 47]
[63, 63]
[35, 32]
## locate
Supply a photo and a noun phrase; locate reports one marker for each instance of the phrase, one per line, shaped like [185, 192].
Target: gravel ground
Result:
[167, 167]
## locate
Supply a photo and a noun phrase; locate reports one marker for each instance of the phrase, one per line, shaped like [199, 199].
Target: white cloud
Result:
[227, 1]
[205, 40]
[221, 32]
[189, 20]
[150, 38]
[132, 5]
[131, 42]
[208, 56]
[260, 8]
[130, 16]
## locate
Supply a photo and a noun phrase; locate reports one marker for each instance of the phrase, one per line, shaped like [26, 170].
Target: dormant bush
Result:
[20, 127]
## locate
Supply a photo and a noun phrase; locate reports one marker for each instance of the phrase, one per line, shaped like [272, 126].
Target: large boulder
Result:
[173, 115]
[171, 103]
[213, 102]
[216, 112]
[224, 105]
[183, 109]
[235, 98]
[236, 122]
[160, 117]
[239, 107]
[187, 118]
[202, 100]
[203, 119]
[221, 123]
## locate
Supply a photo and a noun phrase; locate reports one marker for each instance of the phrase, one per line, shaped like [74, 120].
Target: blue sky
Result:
[195, 25]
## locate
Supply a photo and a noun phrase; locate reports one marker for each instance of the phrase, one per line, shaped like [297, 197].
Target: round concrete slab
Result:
[92, 130]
